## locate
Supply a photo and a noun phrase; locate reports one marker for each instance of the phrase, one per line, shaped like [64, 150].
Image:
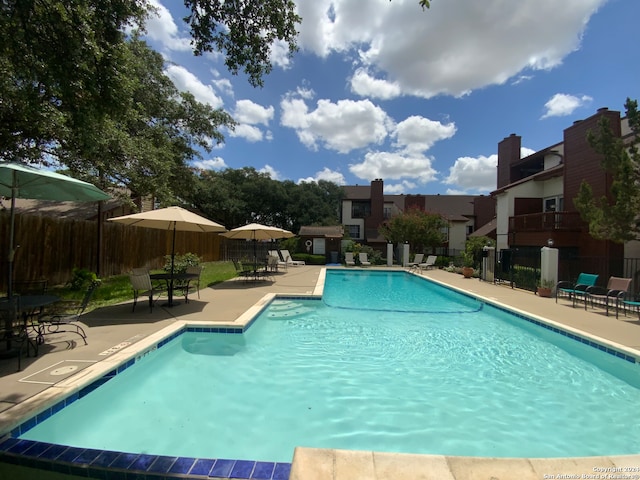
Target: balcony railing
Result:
[546, 221]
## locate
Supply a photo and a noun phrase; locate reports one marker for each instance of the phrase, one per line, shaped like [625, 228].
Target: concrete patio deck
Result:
[116, 329]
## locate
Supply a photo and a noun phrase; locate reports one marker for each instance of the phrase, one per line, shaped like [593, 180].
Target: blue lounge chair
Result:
[578, 289]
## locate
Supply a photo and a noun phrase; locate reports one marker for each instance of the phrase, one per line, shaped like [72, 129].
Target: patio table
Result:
[171, 279]
[26, 306]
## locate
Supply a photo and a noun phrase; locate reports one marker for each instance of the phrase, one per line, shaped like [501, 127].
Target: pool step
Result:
[287, 309]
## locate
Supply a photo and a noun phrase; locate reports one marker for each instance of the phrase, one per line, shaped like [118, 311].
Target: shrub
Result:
[181, 262]
[81, 278]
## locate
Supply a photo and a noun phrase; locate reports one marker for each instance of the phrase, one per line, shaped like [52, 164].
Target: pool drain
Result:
[64, 370]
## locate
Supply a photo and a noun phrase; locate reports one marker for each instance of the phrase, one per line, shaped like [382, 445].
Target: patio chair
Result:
[13, 332]
[65, 315]
[142, 286]
[578, 289]
[241, 270]
[192, 284]
[364, 260]
[617, 288]
[430, 263]
[633, 304]
[349, 260]
[286, 256]
[417, 260]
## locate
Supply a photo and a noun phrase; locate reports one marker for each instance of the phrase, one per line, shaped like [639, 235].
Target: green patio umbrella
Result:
[19, 180]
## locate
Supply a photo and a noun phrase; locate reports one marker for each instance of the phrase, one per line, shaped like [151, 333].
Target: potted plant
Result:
[467, 264]
[545, 288]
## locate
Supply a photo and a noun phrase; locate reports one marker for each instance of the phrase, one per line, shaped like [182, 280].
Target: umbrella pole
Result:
[173, 257]
[11, 240]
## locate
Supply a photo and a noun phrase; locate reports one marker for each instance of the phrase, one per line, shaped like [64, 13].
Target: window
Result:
[354, 231]
[554, 204]
[445, 233]
[360, 209]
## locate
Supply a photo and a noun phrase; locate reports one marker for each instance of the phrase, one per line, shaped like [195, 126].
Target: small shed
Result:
[323, 240]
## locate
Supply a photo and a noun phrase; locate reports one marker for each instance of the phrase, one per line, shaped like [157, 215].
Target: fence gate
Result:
[519, 267]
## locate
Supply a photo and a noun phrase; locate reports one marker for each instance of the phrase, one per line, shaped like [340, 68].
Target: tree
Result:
[241, 196]
[147, 145]
[421, 229]
[615, 218]
[244, 30]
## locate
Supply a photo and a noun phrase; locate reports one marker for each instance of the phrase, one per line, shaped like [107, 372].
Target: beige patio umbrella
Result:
[255, 232]
[172, 219]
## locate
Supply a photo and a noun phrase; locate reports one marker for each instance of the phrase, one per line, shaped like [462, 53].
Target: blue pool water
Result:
[419, 369]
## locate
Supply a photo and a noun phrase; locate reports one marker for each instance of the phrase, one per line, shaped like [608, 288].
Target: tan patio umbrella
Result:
[172, 219]
[255, 232]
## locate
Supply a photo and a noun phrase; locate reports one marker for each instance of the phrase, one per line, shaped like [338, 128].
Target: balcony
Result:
[547, 221]
[535, 229]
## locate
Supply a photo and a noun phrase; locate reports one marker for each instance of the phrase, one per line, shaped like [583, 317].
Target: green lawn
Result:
[117, 289]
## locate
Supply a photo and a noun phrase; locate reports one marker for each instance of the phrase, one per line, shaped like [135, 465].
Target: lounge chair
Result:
[65, 315]
[286, 256]
[617, 289]
[142, 286]
[430, 262]
[279, 262]
[364, 260]
[417, 260]
[578, 289]
[348, 259]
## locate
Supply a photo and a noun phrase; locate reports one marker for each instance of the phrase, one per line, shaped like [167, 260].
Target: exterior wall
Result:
[504, 210]
[458, 235]
[582, 162]
[347, 220]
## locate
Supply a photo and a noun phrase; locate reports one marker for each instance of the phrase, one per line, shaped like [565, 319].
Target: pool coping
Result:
[87, 461]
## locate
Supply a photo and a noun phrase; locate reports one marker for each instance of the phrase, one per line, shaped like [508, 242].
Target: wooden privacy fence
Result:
[51, 248]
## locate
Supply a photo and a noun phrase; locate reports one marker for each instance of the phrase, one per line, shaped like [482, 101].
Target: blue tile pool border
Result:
[122, 465]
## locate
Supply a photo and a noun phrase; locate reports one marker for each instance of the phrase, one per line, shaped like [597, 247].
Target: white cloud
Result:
[394, 166]
[248, 132]
[161, 28]
[475, 175]
[342, 126]
[279, 54]
[452, 48]
[562, 104]
[216, 163]
[365, 85]
[250, 112]
[325, 174]
[273, 173]
[399, 188]
[417, 134]
[186, 81]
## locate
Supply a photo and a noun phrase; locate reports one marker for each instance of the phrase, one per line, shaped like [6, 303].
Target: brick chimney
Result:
[377, 205]
[508, 154]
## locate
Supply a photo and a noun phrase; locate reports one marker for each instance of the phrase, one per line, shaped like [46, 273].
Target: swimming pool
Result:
[409, 375]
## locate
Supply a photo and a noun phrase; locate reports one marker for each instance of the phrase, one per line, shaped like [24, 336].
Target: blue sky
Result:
[382, 89]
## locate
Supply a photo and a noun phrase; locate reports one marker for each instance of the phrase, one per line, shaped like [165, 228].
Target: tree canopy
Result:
[616, 217]
[421, 229]
[237, 197]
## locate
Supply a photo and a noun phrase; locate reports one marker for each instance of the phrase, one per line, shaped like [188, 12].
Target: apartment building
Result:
[365, 207]
[534, 196]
